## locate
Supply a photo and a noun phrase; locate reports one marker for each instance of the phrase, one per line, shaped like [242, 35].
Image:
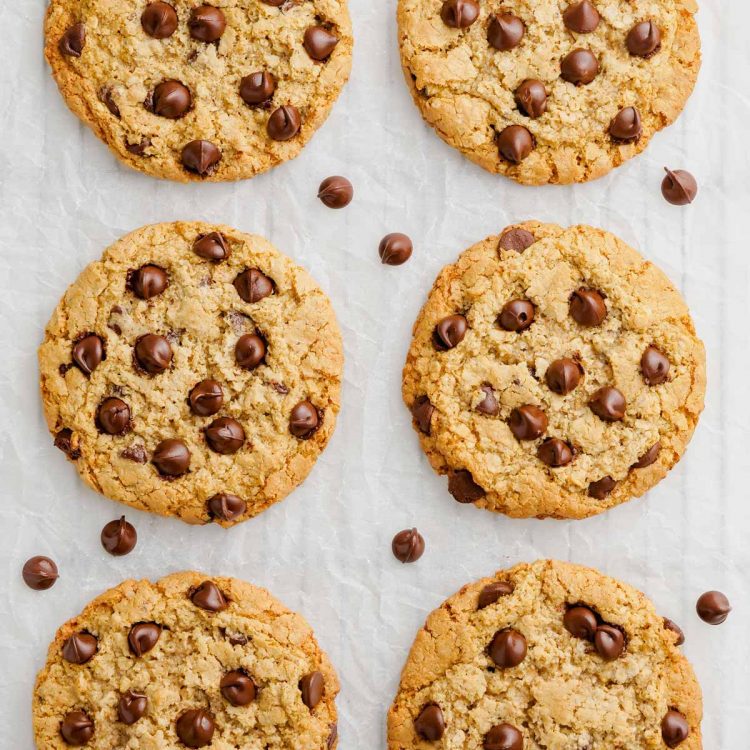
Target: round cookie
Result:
[553, 372]
[186, 661]
[193, 371]
[549, 91]
[546, 655]
[187, 91]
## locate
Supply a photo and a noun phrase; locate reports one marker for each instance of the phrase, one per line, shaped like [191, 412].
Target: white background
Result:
[325, 551]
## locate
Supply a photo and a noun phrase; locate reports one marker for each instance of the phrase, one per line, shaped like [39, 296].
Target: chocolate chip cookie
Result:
[546, 655]
[187, 91]
[194, 371]
[553, 372]
[186, 661]
[549, 91]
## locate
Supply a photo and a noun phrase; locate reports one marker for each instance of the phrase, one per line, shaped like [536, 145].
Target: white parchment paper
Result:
[325, 551]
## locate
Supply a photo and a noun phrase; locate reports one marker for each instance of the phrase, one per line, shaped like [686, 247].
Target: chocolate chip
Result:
[207, 23]
[200, 157]
[68, 444]
[408, 546]
[713, 607]
[153, 353]
[143, 637]
[609, 642]
[319, 42]
[654, 366]
[422, 411]
[505, 31]
[507, 648]
[587, 307]
[462, 486]
[225, 435]
[516, 239]
[148, 281]
[579, 67]
[131, 707]
[87, 353]
[488, 405]
[581, 622]
[40, 573]
[449, 332]
[332, 737]
[516, 315]
[430, 724]
[136, 453]
[250, 351]
[226, 507]
[459, 14]
[531, 98]
[395, 249]
[563, 376]
[492, 592]
[581, 17]
[304, 420]
[119, 537]
[674, 728]
[312, 686]
[679, 187]
[601, 488]
[284, 123]
[237, 688]
[195, 727]
[139, 149]
[503, 737]
[107, 97]
[79, 648]
[159, 20]
[527, 422]
[252, 285]
[73, 40]
[515, 143]
[626, 126]
[608, 404]
[257, 88]
[236, 639]
[676, 629]
[113, 416]
[644, 39]
[77, 728]
[170, 99]
[208, 596]
[171, 458]
[206, 398]
[555, 453]
[335, 192]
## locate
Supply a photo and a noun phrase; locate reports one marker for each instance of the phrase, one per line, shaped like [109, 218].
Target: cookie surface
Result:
[476, 69]
[186, 661]
[546, 655]
[194, 371]
[186, 91]
[553, 372]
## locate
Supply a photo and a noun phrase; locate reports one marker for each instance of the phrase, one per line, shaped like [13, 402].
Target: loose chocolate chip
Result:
[626, 126]
[208, 596]
[608, 404]
[153, 353]
[225, 435]
[508, 648]
[79, 648]
[107, 97]
[488, 405]
[304, 420]
[284, 123]
[581, 623]
[159, 20]
[609, 642]
[113, 416]
[68, 444]
[676, 629]
[206, 398]
[335, 192]
[250, 351]
[516, 315]
[195, 727]
[563, 376]
[713, 607]
[449, 332]
[459, 14]
[679, 187]
[674, 728]
[527, 422]
[87, 353]
[408, 546]
[515, 143]
[73, 40]
[579, 67]
[131, 707]
[555, 453]
[581, 17]
[654, 366]
[200, 157]
[430, 724]
[40, 573]
[395, 249]
[492, 592]
[252, 285]
[462, 486]
[226, 507]
[171, 458]
[516, 239]
[531, 98]
[319, 42]
[503, 737]
[257, 88]
[119, 537]
[170, 99]
[601, 488]
[143, 637]
[207, 23]
[644, 39]
[77, 728]
[312, 686]
[237, 688]
[505, 31]
[422, 411]
[148, 281]
[587, 307]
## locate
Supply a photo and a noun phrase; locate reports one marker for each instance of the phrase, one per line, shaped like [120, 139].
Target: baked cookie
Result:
[191, 91]
[193, 371]
[553, 372]
[547, 656]
[549, 91]
[186, 662]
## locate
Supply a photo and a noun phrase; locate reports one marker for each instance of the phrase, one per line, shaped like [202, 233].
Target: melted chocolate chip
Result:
[80, 648]
[212, 246]
[462, 486]
[563, 376]
[131, 707]
[200, 157]
[257, 88]
[527, 422]
[555, 453]
[88, 353]
[459, 14]
[171, 458]
[206, 398]
[422, 411]
[195, 727]
[494, 591]
[587, 307]
[73, 41]
[626, 126]
[284, 123]
[517, 239]
[516, 315]
[208, 596]
[159, 20]
[148, 281]
[608, 404]
[113, 416]
[319, 42]
[430, 724]
[252, 285]
[505, 31]
[449, 332]
[531, 98]
[226, 507]
[579, 67]
[654, 366]
[207, 23]
[507, 648]
[237, 688]
[312, 687]
[143, 637]
[153, 353]
[515, 143]
[644, 39]
[77, 728]
[304, 420]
